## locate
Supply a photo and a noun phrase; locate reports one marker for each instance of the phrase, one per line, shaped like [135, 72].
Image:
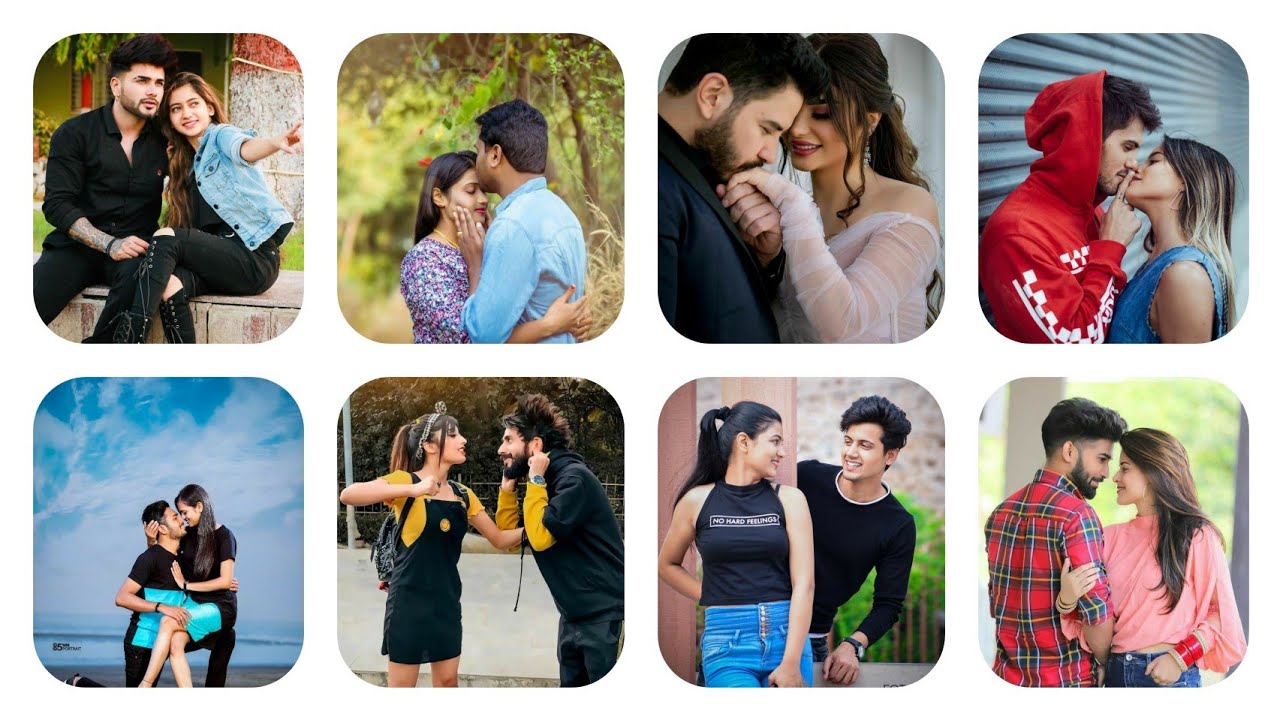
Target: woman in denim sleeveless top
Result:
[224, 225]
[1185, 293]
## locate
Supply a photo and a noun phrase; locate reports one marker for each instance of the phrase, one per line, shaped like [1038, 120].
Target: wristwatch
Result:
[858, 648]
[538, 480]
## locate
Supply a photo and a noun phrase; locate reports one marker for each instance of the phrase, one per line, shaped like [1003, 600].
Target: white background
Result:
[320, 360]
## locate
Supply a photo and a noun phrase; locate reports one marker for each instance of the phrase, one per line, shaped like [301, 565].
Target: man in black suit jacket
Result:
[724, 109]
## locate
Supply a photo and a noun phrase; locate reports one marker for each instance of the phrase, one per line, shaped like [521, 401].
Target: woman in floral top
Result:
[434, 278]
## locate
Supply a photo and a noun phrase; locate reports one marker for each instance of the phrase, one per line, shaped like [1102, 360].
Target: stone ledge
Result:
[219, 318]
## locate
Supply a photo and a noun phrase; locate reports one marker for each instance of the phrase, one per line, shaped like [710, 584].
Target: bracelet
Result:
[1187, 652]
[157, 606]
[1062, 607]
[111, 244]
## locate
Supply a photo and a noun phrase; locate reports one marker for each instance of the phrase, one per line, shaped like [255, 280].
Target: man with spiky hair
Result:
[573, 533]
[103, 183]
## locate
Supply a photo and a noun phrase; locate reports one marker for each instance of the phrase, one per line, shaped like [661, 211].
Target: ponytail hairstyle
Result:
[178, 192]
[715, 446]
[1164, 462]
[206, 545]
[860, 86]
[1206, 209]
[406, 448]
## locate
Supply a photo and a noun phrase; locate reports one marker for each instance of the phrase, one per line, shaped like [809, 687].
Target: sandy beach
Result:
[236, 676]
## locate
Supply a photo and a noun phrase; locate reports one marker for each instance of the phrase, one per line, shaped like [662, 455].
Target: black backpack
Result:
[383, 551]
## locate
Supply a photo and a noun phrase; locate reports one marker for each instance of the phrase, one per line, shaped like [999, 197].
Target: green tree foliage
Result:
[86, 50]
[404, 99]
[918, 634]
[380, 407]
[42, 127]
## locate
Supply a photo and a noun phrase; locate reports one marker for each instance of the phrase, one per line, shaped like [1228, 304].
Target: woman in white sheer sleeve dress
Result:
[863, 251]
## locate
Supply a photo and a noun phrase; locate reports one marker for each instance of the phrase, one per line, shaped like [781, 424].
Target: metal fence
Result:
[369, 517]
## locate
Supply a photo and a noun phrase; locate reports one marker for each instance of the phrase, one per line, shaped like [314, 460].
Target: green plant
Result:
[86, 50]
[42, 127]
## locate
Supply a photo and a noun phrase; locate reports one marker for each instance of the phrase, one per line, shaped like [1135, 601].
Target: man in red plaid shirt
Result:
[1032, 533]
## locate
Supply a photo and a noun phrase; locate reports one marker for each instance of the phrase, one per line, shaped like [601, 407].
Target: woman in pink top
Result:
[863, 252]
[1171, 596]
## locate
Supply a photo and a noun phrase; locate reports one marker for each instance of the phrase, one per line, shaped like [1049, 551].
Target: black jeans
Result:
[219, 644]
[63, 272]
[205, 264]
[587, 651]
[820, 650]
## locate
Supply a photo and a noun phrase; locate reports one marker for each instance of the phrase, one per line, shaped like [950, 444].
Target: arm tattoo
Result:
[84, 232]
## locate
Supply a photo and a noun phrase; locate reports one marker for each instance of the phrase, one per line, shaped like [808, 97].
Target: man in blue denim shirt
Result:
[533, 250]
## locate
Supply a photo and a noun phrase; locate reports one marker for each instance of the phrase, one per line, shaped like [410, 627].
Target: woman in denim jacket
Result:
[224, 227]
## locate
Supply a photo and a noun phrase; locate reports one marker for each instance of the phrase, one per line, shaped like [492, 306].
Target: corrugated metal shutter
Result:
[1198, 82]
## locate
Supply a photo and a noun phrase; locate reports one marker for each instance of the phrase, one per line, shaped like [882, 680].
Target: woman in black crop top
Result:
[756, 545]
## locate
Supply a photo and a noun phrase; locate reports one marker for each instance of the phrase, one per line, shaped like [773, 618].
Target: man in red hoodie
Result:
[1049, 260]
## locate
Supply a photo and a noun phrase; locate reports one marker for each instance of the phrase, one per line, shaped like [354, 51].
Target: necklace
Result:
[441, 237]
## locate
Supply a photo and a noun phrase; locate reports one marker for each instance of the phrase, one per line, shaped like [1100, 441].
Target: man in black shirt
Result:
[723, 109]
[573, 533]
[151, 591]
[103, 184]
[858, 526]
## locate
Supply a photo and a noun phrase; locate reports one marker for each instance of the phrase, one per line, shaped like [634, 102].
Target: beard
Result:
[519, 466]
[134, 108]
[1083, 482]
[717, 142]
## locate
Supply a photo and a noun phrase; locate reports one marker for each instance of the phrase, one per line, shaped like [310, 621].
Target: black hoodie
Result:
[583, 567]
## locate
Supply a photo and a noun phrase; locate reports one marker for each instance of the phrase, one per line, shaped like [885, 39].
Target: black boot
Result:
[176, 319]
[131, 328]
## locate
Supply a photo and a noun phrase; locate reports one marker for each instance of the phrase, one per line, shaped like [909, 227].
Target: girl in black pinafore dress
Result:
[423, 621]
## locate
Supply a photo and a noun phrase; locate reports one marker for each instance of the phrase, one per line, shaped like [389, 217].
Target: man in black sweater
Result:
[574, 535]
[723, 109]
[858, 526]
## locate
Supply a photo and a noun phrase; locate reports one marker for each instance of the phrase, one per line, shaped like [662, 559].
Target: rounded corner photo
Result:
[157, 562]
[800, 188]
[167, 194]
[1115, 515]
[480, 525]
[817, 501]
[1113, 188]
[502, 219]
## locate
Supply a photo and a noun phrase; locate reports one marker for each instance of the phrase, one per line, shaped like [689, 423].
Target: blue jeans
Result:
[1130, 670]
[742, 644]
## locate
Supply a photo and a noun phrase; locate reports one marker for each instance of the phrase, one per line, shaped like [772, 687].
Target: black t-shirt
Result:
[225, 549]
[153, 570]
[849, 540]
[206, 217]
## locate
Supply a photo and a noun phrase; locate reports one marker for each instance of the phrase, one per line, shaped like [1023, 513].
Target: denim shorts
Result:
[1130, 670]
[742, 644]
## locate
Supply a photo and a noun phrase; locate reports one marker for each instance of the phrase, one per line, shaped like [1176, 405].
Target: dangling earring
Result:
[866, 154]
[1174, 204]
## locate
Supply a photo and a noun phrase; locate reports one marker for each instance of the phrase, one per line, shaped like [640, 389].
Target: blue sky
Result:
[106, 447]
